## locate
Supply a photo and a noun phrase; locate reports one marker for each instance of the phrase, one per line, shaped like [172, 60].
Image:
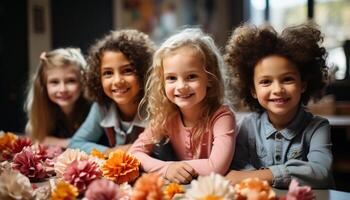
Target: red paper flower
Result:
[29, 165]
[121, 167]
[102, 189]
[148, 186]
[81, 174]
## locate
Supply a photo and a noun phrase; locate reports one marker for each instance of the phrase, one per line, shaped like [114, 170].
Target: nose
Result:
[118, 80]
[182, 86]
[277, 88]
[62, 87]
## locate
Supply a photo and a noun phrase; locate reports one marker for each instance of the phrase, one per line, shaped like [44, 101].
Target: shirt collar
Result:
[111, 119]
[290, 131]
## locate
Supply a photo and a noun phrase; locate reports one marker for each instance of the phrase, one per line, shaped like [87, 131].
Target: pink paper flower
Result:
[81, 174]
[29, 165]
[53, 151]
[297, 192]
[66, 158]
[102, 189]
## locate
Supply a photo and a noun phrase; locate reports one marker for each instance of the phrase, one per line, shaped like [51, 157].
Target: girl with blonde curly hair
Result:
[184, 103]
[117, 65]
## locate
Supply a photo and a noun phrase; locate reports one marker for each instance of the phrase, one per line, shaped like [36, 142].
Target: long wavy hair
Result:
[159, 110]
[42, 113]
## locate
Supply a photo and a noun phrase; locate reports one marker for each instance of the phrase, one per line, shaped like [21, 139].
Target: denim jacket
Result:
[301, 151]
[94, 128]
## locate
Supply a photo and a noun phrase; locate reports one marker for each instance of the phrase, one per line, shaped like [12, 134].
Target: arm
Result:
[89, 133]
[316, 172]
[55, 141]
[223, 148]
[141, 149]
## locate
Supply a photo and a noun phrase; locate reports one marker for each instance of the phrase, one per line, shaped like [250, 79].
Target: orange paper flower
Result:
[254, 188]
[149, 186]
[6, 141]
[96, 153]
[121, 167]
[64, 191]
[172, 189]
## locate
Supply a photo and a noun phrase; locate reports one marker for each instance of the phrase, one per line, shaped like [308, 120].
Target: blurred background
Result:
[28, 27]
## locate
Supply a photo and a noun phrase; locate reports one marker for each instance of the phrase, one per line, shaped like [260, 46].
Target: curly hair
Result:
[136, 47]
[300, 44]
[158, 108]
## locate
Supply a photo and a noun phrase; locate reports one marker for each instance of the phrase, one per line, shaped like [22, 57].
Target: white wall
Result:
[38, 42]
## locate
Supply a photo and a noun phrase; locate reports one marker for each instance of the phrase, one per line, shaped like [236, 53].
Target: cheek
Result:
[168, 90]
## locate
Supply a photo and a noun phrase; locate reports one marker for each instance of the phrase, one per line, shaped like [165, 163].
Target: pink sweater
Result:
[216, 151]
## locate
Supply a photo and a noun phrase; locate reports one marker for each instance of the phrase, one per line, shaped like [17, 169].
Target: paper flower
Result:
[172, 189]
[64, 191]
[39, 151]
[102, 189]
[29, 165]
[212, 187]
[81, 174]
[66, 158]
[6, 141]
[254, 188]
[42, 193]
[14, 185]
[125, 191]
[53, 151]
[148, 186]
[297, 192]
[121, 167]
[96, 153]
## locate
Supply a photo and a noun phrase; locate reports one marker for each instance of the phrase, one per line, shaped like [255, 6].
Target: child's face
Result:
[278, 87]
[186, 81]
[119, 79]
[63, 87]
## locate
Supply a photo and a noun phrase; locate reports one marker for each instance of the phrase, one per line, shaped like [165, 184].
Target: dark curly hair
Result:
[136, 47]
[300, 44]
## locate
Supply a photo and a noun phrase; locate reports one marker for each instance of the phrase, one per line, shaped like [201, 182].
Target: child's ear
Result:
[303, 86]
[253, 92]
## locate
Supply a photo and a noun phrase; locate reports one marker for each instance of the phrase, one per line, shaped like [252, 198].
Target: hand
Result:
[180, 172]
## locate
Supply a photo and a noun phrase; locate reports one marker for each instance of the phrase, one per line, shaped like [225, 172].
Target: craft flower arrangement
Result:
[96, 177]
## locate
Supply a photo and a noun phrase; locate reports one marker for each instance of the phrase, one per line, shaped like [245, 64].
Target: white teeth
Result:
[184, 96]
[120, 90]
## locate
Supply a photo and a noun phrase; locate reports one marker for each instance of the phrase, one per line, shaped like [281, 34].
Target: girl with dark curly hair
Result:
[275, 75]
[117, 65]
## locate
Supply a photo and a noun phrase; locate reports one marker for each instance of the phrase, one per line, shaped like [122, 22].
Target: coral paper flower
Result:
[64, 191]
[102, 189]
[212, 187]
[29, 165]
[14, 185]
[254, 188]
[121, 167]
[297, 192]
[148, 186]
[172, 189]
[66, 158]
[81, 174]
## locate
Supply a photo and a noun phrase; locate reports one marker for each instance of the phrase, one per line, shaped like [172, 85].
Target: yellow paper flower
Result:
[121, 167]
[148, 186]
[172, 189]
[64, 191]
[6, 140]
[96, 153]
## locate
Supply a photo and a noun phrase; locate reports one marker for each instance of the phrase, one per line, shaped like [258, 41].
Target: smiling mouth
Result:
[120, 91]
[184, 96]
[279, 100]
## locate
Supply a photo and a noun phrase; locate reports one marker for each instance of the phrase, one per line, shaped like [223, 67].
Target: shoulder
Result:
[316, 121]
[223, 110]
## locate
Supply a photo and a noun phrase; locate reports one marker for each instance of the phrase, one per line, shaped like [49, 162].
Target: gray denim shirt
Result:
[301, 151]
[88, 135]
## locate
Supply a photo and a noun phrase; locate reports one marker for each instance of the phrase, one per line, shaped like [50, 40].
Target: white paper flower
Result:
[14, 185]
[213, 186]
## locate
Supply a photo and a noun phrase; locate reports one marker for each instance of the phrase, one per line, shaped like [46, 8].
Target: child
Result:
[55, 103]
[276, 76]
[115, 79]
[184, 104]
